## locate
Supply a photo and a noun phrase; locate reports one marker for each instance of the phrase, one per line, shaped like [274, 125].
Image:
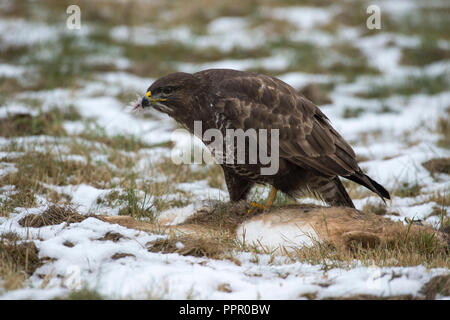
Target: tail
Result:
[332, 192]
[366, 181]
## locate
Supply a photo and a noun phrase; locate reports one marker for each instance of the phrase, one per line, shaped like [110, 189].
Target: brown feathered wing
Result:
[306, 136]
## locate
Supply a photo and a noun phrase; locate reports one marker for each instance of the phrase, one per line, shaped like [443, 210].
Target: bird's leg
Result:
[269, 201]
[271, 197]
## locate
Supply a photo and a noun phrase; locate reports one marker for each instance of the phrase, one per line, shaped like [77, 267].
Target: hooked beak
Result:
[147, 100]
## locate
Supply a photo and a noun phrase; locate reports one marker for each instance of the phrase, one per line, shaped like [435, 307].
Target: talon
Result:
[255, 205]
[269, 201]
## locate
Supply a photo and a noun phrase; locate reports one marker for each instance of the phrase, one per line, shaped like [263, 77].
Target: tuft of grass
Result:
[443, 129]
[120, 255]
[14, 54]
[315, 93]
[23, 197]
[64, 67]
[111, 236]
[35, 168]
[24, 125]
[55, 214]
[135, 207]
[84, 294]
[428, 52]
[406, 189]
[188, 246]
[18, 260]
[438, 285]
[438, 165]
[378, 209]
[352, 112]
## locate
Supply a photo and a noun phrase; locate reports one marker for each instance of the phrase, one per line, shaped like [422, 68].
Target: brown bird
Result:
[312, 154]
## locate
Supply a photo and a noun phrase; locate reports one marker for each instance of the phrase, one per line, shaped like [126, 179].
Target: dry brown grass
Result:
[188, 246]
[439, 285]
[438, 165]
[18, 260]
[36, 167]
[120, 255]
[111, 236]
[189, 173]
[428, 52]
[315, 93]
[48, 123]
[443, 129]
[378, 209]
[55, 214]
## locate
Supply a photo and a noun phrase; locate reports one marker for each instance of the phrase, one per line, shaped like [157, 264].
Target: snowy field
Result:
[68, 138]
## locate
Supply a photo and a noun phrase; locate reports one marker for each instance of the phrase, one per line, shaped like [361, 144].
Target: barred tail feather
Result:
[370, 184]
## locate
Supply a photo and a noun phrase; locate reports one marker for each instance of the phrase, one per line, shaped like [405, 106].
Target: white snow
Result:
[393, 160]
[302, 17]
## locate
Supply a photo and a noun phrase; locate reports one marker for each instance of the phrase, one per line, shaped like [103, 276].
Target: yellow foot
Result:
[255, 205]
[269, 201]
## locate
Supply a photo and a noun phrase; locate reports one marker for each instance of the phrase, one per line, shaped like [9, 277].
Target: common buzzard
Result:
[312, 154]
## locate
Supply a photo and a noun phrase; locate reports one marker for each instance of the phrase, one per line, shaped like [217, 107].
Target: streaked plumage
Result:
[312, 153]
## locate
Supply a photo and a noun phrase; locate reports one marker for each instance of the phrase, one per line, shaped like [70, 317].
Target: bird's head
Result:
[170, 93]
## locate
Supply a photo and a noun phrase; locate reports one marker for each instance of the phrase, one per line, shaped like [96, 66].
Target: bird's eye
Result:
[167, 90]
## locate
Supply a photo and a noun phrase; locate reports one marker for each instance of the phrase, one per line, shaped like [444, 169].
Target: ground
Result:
[71, 150]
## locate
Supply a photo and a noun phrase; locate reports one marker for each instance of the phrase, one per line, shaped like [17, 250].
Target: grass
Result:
[413, 85]
[18, 260]
[55, 214]
[117, 141]
[36, 166]
[427, 23]
[64, 67]
[443, 129]
[406, 190]
[24, 124]
[438, 165]
[403, 250]
[111, 161]
[213, 174]
[187, 246]
[352, 112]
[438, 285]
[84, 294]
[378, 209]
[135, 207]
[317, 93]
[428, 52]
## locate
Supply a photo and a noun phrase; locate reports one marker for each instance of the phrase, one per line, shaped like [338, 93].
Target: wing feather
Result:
[306, 135]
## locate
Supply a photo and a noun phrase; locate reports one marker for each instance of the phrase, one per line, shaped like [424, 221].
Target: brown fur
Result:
[338, 225]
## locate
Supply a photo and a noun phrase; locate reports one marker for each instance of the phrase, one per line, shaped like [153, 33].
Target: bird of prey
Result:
[312, 154]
